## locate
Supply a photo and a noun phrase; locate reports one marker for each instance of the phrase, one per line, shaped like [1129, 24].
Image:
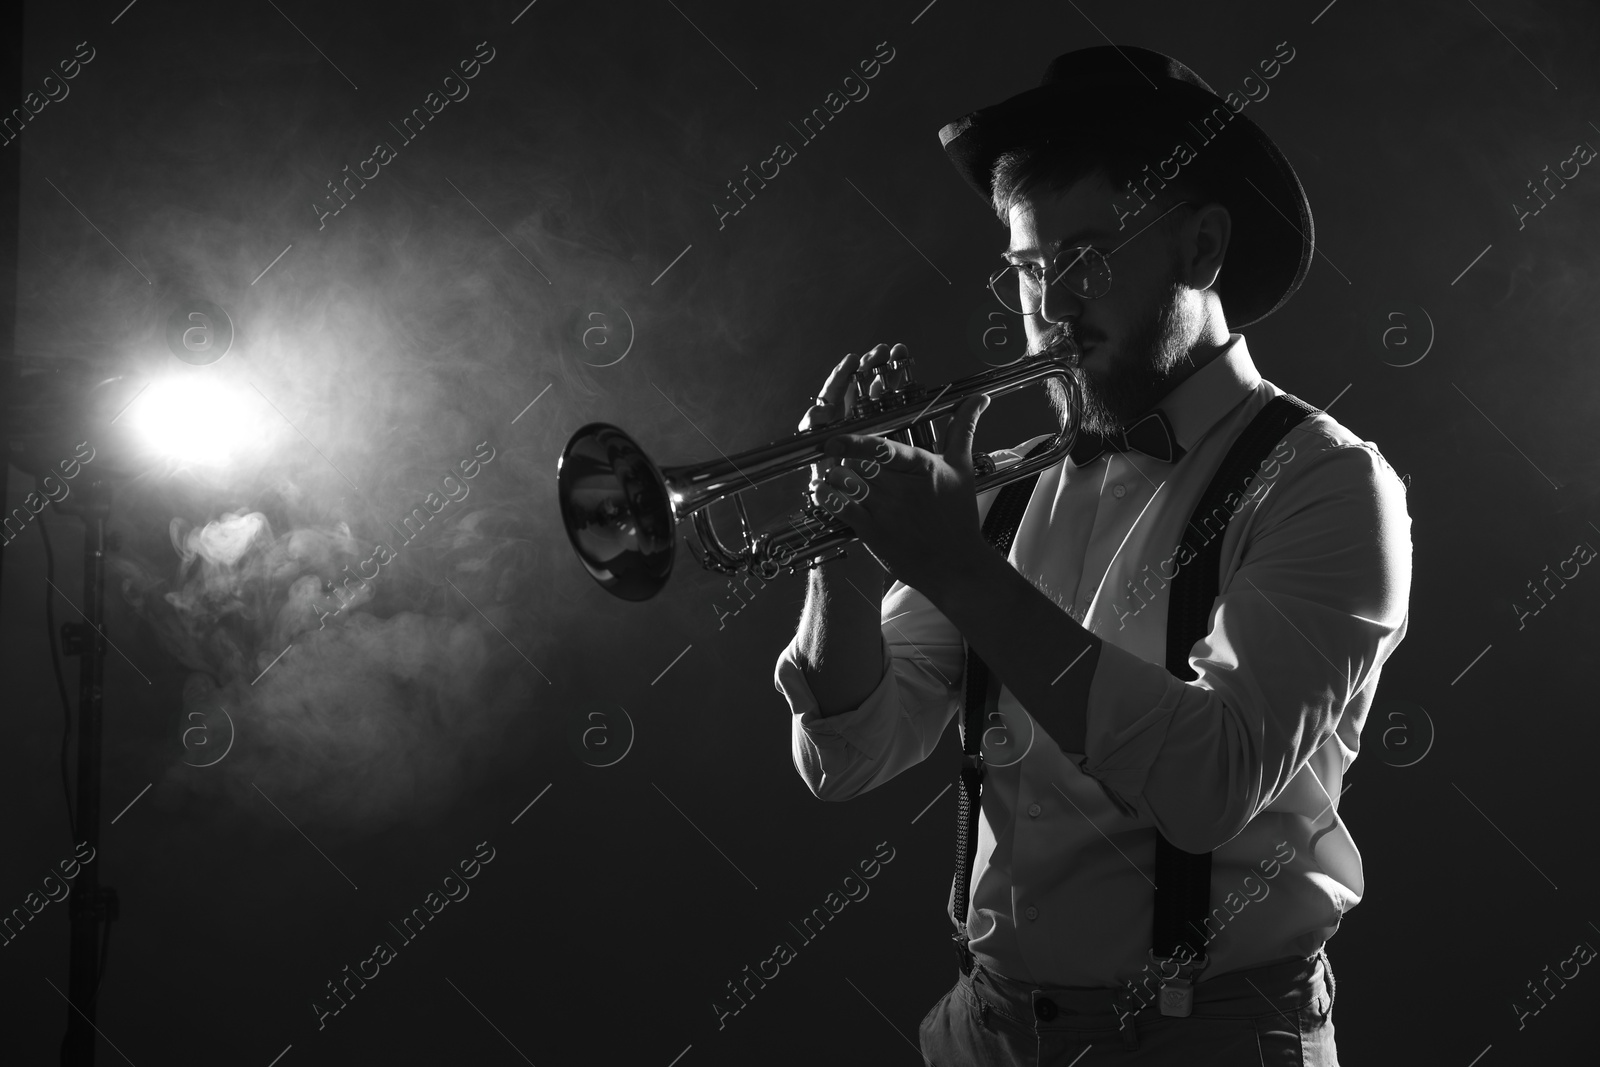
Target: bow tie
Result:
[1151, 435]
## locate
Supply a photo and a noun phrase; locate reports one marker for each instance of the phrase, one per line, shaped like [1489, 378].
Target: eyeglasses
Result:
[1085, 271]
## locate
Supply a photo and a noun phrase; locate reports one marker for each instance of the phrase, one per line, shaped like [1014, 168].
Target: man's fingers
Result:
[827, 405]
[833, 390]
[867, 447]
[852, 483]
[877, 359]
[831, 403]
[834, 498]
[843, 375]
[958, 443]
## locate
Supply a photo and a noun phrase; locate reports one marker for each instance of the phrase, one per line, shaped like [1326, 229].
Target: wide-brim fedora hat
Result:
[1136, 96]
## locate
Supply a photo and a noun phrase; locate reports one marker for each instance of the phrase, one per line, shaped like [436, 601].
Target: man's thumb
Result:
[958, 443]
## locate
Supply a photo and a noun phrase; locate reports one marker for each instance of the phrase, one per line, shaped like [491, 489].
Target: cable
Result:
[55, 661]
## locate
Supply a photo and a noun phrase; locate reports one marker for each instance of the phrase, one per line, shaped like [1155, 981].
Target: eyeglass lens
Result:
[1083, 271]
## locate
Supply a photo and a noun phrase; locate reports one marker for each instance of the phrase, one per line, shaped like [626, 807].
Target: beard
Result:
[1132, 381]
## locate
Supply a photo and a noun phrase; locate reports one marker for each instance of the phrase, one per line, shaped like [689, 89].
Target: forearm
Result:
[840, 643]
[1036, 649]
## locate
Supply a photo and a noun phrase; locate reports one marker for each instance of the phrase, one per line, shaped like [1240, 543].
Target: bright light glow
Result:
[197, 418]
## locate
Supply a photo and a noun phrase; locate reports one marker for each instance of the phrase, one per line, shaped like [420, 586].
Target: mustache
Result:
[1064, 340]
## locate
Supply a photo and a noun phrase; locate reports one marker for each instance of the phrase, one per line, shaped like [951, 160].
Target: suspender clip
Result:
[1177, 993]
[964, 956]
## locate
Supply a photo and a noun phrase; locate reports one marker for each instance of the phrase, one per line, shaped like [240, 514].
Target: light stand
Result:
[48, 402]
[45, 409]
[92, 906]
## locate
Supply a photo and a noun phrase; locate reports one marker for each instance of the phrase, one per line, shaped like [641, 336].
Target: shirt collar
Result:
[1203, 398]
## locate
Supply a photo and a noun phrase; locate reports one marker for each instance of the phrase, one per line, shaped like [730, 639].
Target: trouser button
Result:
[1045, 1008]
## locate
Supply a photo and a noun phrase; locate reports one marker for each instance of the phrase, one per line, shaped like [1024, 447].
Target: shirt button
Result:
[1034, 810]
[1120, 491]
[1032, 913]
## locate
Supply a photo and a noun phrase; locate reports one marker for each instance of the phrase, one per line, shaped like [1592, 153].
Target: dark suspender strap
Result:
[1183, 879]
[999, 530]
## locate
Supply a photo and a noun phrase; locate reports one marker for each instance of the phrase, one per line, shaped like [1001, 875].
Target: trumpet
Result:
[621, 510]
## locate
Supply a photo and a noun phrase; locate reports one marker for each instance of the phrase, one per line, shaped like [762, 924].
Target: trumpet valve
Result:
[900, 371]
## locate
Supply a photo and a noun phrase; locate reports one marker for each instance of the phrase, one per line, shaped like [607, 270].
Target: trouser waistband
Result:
[1283, 985]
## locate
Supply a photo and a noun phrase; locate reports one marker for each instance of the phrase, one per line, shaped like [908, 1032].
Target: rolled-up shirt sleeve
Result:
[897, 726]
[1308, 618]
[899, 723]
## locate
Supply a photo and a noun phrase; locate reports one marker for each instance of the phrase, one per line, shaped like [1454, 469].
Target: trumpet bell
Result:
[617, 510]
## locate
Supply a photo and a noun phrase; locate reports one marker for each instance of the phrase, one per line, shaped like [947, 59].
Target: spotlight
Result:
[195, 418]
[74, 413]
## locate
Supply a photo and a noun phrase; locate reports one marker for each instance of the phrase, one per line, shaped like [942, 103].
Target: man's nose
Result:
[1059, 303]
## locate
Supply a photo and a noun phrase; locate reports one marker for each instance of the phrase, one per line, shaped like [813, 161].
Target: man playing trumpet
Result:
[1128, 740]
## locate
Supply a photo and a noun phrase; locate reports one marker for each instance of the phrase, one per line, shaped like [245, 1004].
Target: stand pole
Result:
[91, 906]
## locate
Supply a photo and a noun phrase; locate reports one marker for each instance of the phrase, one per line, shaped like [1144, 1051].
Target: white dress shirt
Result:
[1246, 760]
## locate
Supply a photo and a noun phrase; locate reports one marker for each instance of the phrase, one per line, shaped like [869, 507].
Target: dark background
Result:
[186, 158]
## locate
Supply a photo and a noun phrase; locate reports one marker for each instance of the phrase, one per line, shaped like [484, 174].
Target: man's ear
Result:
[1210, 228]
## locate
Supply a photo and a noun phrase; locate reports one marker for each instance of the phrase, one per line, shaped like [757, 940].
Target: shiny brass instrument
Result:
[621, 510]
